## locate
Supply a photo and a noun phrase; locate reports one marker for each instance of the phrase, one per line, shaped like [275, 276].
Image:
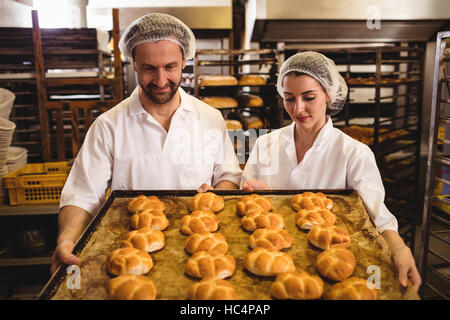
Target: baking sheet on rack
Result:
[168, 271]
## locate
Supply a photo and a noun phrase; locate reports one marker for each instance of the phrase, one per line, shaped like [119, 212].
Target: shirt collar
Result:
[136, 107]
[288, 133]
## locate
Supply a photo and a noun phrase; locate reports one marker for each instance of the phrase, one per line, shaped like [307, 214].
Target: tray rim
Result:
[51, 287]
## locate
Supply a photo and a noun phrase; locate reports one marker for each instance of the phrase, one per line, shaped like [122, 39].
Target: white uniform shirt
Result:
[335, 161]
[127, 149]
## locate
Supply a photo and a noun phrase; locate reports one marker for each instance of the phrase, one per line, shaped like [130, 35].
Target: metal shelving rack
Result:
[238, 63]
[434, 252]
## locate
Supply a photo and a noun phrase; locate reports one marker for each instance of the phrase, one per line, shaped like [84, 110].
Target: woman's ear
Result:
[328, 98]
[134, 66]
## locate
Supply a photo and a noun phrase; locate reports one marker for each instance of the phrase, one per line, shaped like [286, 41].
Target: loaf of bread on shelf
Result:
[206, 241]
[308, 200]
[326, 237]
[252, 80]
[270, 238]
[204, 264]
[212, 289]
[254, 123]
[217, 80]
[206, 201]
[249, 100]
[199, 221]
[233, 125]
[352, 289]
[220, 102]
[257, 220]
[306, 218]
[131, 287]
[336, 264]
[142, 202]
[298, 285]
[128, 261]
[253, 203]
[145, 239]
[154, 219]
[269, 263]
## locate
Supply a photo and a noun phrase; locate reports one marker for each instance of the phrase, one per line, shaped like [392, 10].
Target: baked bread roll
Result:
[220, 102]
[154, 219]
[251, 80]
[309, 200]
[233, 125]
[298, 285]
[250, 100]
[199, 221]
[269, 263]
[142, 202]
[306, 218]
[131, 287]
[271, 238]
[326, 237]
[212, 289]
[254, 123]
[257, 220]
[352, 289]
[129, 261]
[336, 264]
[210, 265]
[253, 203]
[206, 201]
[145, 239]
[206, 241]
[218, 80]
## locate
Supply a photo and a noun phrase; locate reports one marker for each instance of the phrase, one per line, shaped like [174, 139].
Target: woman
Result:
[312, 154]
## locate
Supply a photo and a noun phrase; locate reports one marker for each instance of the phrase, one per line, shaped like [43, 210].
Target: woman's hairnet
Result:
[323, 70]
[155, 27]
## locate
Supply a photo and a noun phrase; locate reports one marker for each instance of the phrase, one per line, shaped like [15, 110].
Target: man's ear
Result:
[134, 65]
[183, 64]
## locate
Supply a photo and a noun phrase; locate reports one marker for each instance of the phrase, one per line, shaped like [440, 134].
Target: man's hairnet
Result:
[323, 70]
[155, 27]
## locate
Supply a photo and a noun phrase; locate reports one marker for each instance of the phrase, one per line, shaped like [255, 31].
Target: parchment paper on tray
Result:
[370, 249]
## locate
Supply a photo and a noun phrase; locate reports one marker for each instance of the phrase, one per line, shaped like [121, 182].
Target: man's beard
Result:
[160, 98]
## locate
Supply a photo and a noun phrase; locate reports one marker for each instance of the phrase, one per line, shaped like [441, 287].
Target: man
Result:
[158, 138]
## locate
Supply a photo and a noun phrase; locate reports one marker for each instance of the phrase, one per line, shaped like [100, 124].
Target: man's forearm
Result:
[226, 185]
[72, 221]
[393, 239]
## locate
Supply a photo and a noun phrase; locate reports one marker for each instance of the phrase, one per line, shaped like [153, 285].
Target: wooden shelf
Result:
[24, 210]
[31, 261]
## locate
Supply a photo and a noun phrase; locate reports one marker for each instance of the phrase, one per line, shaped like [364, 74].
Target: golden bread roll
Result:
[206, 241]
[131, 287]
[309, 200]
[154, 219]
[250, 100]
[210, 265]
[129, 261]
[145, 239]
[233, 125]
[206, 201]
[268, 263]
[142, 202]
[251, 80]
[220, 102]
[306, 218]
[253, 203]
[199, 221]
[254, 123]
[257, 220]
[352, 289]
[271, 238]
[336, 263]
[212, 289]
[326, 237]
[218, 80]
[298, 285]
